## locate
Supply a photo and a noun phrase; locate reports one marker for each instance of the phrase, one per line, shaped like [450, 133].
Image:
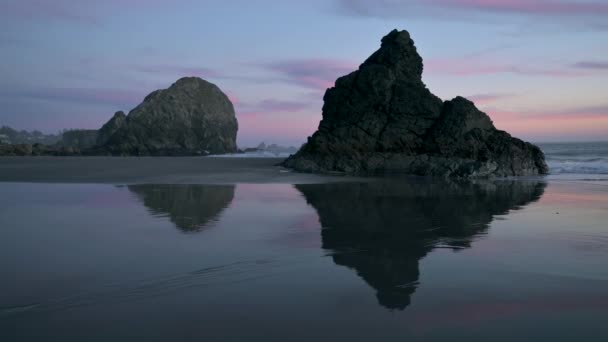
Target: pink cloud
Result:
[589, 122]
[483, 99]
[233, 98]
[280, 128]
[271, 106]
[597, 112]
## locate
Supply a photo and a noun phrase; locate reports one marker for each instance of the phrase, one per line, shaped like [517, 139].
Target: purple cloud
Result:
[591, 65]
[317, 74]
[468, 67]
[271, 106]
[87, 12]
[34, 10]
[179, 70]
[388, 8]
[593, 111]
[121, 99]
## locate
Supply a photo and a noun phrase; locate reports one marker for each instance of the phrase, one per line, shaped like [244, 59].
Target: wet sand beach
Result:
[357, 261]
[156, 170]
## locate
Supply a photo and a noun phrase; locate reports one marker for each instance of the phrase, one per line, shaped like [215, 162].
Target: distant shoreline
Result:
[154, 170]
[208, 170]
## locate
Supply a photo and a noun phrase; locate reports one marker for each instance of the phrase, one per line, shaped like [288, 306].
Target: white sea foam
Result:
[257, 154]
[577, 158]
[595, 166]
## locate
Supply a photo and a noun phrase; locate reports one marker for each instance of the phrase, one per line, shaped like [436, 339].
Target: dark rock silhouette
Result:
[381, 230]
[192, 116]
[382, 118]
[189, 207]
[106, 131]
[28, 150]
[79, 139]
[17, 150]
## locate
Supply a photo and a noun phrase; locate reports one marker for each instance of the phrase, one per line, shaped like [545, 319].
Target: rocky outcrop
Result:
[79, 139]
[109, 128]
[25, 150]
[382, 118]
[192, 116]
[11, 150]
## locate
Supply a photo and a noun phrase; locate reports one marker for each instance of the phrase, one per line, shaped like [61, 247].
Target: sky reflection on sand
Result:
[362, 260]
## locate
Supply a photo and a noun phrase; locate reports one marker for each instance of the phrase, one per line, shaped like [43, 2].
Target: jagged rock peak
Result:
[382, 118]
[398, 52]
[109, 128]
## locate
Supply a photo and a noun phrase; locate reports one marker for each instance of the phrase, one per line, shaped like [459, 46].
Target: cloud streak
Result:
[81, 12]
[468, 67]
[567, 114]
[587, 13]
[317, 74]
[591, 65]
[395, 8]
[179, 71]
[537, 7]
[92, 96]
[573, 123]
[34, 10]
[271, 106]
[483, 99]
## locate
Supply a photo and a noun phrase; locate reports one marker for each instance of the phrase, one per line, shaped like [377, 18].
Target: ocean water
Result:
[383, 260]
[589, 159]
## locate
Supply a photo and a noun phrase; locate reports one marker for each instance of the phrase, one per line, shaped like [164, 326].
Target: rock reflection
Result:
[382, 229]
[189, 207]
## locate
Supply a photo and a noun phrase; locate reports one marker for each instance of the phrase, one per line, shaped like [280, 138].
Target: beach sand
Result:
[222, 256]
[156, 170]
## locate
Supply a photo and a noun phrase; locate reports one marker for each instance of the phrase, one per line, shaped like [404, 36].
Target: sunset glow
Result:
[538, 68]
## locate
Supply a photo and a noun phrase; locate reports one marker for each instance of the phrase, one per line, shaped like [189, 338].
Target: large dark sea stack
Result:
[192, 116]
[382, 118]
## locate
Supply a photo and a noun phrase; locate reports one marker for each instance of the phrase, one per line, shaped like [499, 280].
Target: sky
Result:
[538, 68]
